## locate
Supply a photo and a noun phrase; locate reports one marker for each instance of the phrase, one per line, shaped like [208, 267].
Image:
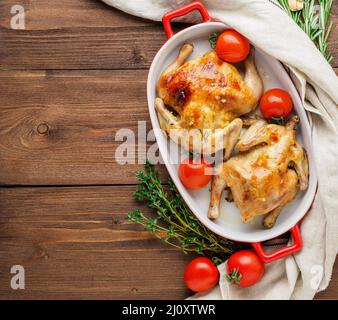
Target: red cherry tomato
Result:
[194, 173]
[276, 103]
[232, 47]
[201, 274]
[245, 268]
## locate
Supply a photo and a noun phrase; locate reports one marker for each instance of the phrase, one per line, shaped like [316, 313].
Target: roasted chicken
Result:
[266, 174]
[207, 96]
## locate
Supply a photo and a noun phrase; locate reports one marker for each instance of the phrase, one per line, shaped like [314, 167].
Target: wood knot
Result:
[134, 290]
[40, 254]
[137, 56]
[43, 128]
[116, 221]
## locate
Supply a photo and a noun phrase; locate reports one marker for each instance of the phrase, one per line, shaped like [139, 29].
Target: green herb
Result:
[278, 120]
[174, 223]
[234, 277]
[314, 20]
[213, 39]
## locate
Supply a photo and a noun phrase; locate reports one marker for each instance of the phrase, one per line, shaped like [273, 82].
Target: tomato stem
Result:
[234, 277]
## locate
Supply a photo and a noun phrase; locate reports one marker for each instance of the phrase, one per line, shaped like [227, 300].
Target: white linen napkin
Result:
[268, 27]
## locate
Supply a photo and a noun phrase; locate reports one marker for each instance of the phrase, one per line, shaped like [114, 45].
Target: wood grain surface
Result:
[68, 83]
[75, 243]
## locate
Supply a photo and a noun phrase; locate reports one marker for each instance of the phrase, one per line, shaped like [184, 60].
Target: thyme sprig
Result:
[314, 20]
[174, 223]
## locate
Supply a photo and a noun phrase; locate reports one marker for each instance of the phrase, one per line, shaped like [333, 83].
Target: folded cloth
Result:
[268, 27]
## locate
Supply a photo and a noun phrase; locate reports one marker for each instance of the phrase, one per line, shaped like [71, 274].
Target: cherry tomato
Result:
[232, 47]
[193, 173]
[245, 268]
[276, 103]
[201, 274]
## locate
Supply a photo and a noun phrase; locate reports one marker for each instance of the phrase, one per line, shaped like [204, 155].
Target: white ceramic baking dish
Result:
[229, 225]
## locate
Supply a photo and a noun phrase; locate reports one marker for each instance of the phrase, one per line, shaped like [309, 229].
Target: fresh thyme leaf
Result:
[216, 260]
[174, 223]
[135, 216]
[150, 225]
[213, 39]
[314, 20]
[171, 231]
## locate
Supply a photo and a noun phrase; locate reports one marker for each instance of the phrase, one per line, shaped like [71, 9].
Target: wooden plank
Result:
[75, 244]
[84, 48]
[87, 43]
[48, 15]
[83, 110]
[91, 35]
[59, 127]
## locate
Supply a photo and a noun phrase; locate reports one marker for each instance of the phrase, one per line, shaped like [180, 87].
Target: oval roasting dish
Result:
[229, 224]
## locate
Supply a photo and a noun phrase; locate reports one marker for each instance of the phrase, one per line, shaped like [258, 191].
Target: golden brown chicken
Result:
[207, 94]
[266, 175]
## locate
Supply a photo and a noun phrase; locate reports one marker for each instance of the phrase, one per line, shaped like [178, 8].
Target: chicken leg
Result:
[182, 56]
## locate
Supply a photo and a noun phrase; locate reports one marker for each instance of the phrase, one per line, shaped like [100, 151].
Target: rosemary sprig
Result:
[314, 20]
[174, 223]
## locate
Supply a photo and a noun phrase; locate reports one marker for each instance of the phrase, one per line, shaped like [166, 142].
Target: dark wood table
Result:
[68, 83]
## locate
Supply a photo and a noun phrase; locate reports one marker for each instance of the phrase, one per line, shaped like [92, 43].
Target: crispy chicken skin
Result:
[206, 93]
[266, 174]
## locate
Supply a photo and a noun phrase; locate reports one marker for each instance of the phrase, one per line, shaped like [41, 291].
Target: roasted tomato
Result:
[194, 173]
[232, 47]
[276, 103]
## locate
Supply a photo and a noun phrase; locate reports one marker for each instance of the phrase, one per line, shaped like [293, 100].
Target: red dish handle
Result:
[181, 11]
[280, 253]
